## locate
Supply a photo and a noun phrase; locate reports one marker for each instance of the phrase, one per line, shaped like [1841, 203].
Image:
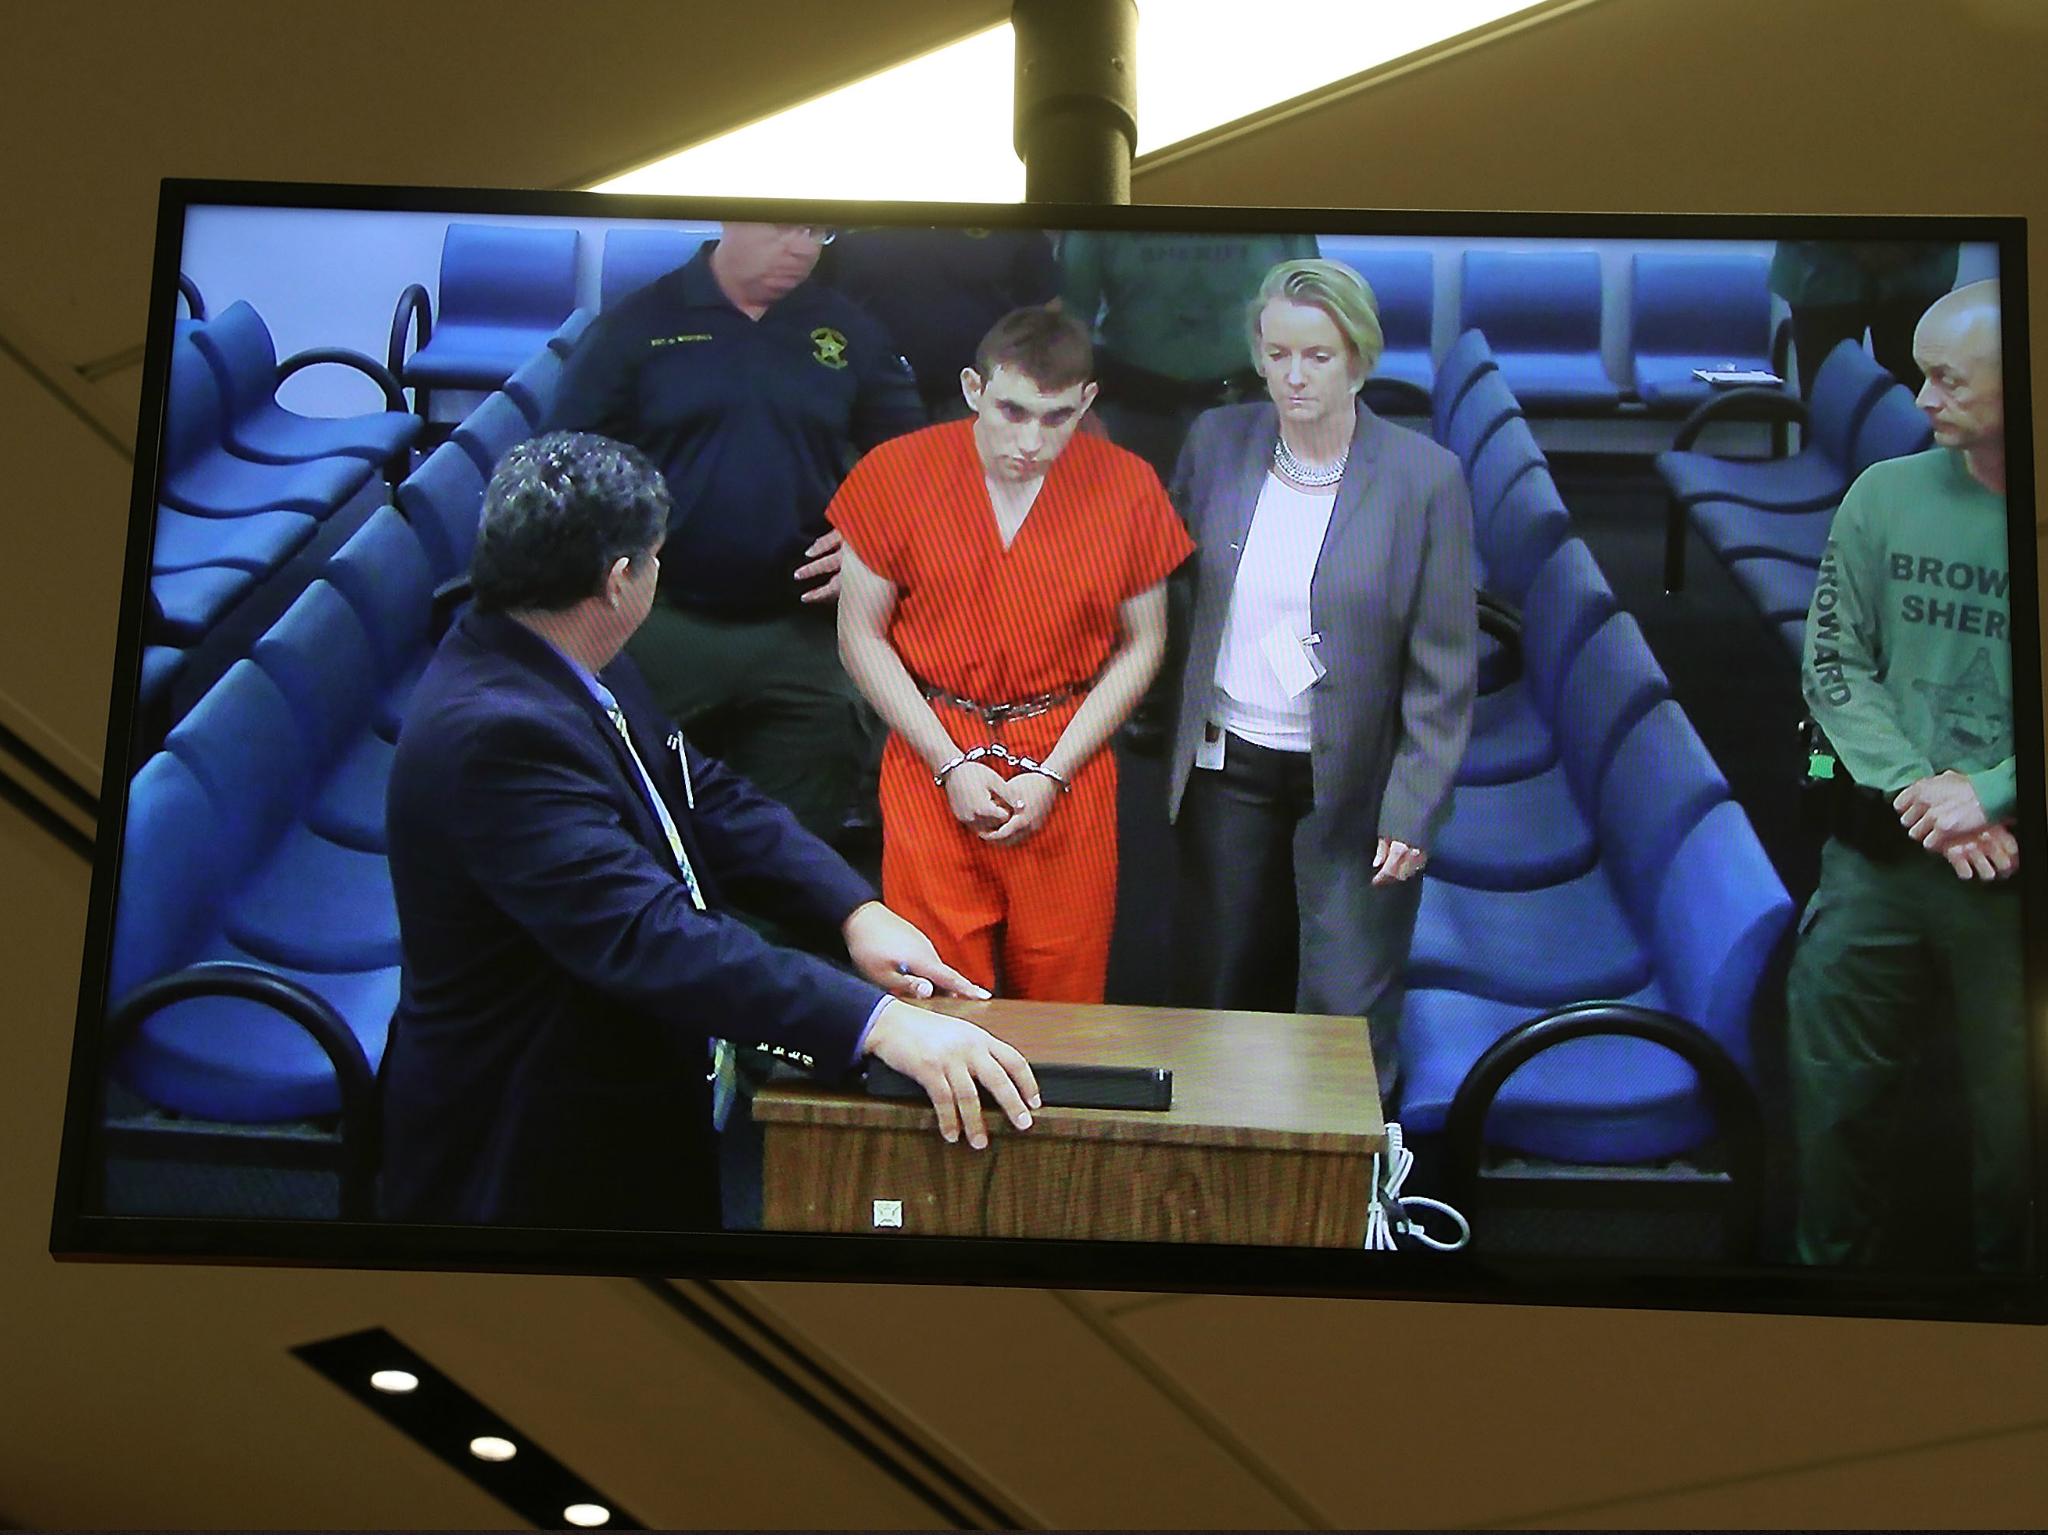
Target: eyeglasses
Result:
[824, 234]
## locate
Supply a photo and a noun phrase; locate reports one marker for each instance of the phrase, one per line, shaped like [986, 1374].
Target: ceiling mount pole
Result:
[1077, 98]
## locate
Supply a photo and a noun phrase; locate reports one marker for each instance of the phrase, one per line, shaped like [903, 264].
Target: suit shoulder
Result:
[1418, 452]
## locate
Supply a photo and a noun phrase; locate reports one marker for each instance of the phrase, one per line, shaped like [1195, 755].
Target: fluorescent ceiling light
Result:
[938, 127]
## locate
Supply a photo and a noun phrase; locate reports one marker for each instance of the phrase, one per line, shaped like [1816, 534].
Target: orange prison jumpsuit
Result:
[1000, 626]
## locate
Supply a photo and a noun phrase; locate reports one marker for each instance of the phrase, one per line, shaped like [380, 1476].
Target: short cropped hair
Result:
[558, 511]
[1338, 292]
[1048, 346]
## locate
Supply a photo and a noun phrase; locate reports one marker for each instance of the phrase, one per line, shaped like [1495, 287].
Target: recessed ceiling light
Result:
[586, 1514]
[492, 1448]
[394, 1381]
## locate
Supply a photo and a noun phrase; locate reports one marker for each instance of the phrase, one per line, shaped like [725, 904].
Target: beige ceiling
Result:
[163, 1397]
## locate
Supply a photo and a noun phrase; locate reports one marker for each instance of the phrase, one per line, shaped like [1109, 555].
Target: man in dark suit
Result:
[562, 861]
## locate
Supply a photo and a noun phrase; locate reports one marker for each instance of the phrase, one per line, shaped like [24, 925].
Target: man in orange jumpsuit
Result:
[1002, 604]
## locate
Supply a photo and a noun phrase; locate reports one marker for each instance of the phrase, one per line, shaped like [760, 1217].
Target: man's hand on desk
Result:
[894, 954]
[947, 1057]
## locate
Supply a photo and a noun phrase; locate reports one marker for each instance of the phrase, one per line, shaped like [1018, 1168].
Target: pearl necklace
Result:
[1316, 478]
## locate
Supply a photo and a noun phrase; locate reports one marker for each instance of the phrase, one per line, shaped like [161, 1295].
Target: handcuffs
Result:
[1003, 754]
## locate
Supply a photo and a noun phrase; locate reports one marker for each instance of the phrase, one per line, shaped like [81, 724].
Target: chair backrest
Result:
[1611, 684]
[1509, 454]
[322, 661]
[532, 386]
[1533, 301]
[174, 875]
[244, 746]
[1402, 280]
[1847, 386]
[499, 274]
[570, 331]
[1660, 782]
[491, 431]
[384, 573]
[1700, 304]
[1567, 600]
[1892, 427]
[1530, 522]
[1487, 404]
[443, 500]
[1719, 915]
[193, 421]
[1469, 356]
[633, 258]
[238, 348]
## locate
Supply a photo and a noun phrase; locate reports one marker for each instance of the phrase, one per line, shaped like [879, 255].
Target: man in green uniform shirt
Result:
[1908, 670]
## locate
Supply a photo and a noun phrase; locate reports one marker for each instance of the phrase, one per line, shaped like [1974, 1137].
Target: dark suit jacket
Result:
[1392, 598]
[547, 1062]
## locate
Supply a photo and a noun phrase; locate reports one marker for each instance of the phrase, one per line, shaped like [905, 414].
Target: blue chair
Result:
[189, 604]
[443, 500]
[237, 346]
[1792, 635]
[1468, 358]
[1893, 427]
[491, 431]
[1540, 311]
[384, 573]
[1735, 531]
[1693, 310]
[203, 1027]
[633, 258]
[1528, 524]
[305, 902]
[532, 386]
[202, 477]
[259, 543]
[504, 289]
[1487, 405]
[1403, 281]
[323, 662]
[1510, 453]
[1780, 589]
[1811, 480]
[1538, 831]
[1511, 727]
[570, 331]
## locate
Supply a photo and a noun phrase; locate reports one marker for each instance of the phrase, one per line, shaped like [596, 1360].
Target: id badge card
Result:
[1209, 750]
[1293, 659]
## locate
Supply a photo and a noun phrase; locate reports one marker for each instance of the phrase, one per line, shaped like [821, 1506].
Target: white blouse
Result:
[1263, 669]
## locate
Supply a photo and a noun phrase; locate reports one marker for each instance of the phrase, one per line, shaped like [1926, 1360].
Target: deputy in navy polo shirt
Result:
[754, 389]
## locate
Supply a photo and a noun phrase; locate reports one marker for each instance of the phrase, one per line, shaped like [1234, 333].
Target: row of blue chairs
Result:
[246, 483]
[1592, 852]
[256, 943]
[1767, 520]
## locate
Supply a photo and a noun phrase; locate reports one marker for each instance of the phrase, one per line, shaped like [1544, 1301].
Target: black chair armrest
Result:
[449, 599]
[313, 1014]
[369, 367]
[413, 305]
[1733, 1099]
[1396, 397]
[1750, 404]
[1501, 622]
[194, 300]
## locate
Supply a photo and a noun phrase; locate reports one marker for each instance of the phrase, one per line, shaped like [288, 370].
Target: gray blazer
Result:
[1392, 598]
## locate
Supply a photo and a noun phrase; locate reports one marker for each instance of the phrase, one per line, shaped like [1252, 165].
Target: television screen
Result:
[1473, 756]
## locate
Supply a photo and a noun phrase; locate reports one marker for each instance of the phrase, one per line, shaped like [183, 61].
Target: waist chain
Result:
[995, 716]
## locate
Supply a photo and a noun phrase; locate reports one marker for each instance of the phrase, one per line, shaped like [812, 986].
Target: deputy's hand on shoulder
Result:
[823, 559]
[1940, 809]
[893, 953]
[948, 1058]
[1031, 798]
[1991, 854]
[977, 798]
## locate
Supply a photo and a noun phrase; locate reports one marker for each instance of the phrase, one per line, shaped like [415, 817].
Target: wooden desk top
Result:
[1279, 1081]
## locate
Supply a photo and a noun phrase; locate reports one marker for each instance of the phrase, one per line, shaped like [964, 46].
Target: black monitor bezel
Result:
[77, 1233]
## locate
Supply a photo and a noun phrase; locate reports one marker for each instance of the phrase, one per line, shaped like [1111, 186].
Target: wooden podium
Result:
[1274, 1122]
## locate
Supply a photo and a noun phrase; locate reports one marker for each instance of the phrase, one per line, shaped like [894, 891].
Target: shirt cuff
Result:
[860, 1046]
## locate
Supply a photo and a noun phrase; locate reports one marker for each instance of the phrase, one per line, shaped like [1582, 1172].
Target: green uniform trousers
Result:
[767, 697]
[1890, 956]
